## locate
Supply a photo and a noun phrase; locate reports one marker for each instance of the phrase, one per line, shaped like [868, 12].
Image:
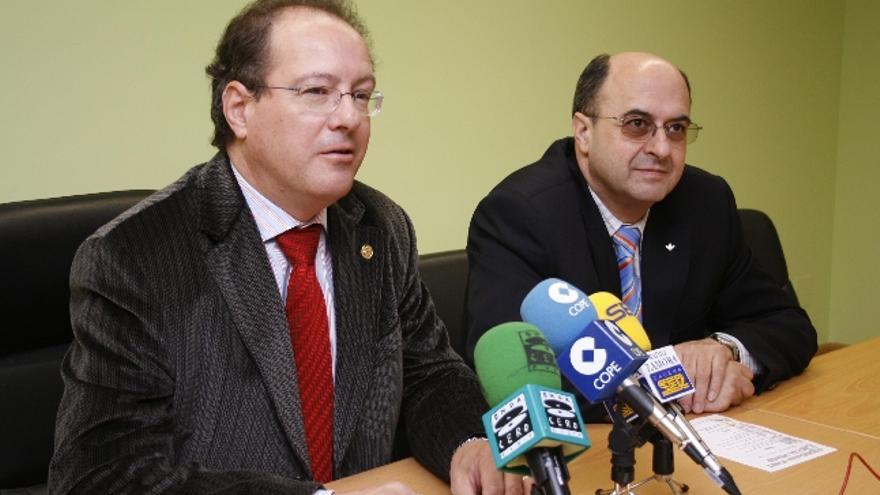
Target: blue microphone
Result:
[560, 310]
[595, 356]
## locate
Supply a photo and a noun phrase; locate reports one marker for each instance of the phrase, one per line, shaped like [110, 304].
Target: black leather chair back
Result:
[446, 274]
[760, 234]
[37, 242]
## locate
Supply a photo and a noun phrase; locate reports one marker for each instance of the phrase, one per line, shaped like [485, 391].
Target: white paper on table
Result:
[755, 445]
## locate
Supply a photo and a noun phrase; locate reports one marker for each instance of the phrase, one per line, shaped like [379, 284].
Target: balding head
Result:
[594, 75]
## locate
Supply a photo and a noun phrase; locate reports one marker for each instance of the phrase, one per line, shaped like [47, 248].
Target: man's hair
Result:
[586, 93]
[243, 52]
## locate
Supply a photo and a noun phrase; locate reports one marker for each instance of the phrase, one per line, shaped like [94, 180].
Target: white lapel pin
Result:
[670, 247]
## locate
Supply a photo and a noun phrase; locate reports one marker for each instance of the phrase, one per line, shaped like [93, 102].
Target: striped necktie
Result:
[310, 338]
[626, 244]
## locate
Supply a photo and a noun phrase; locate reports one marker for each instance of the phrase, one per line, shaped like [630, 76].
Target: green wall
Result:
[855, 268]
[102, 95]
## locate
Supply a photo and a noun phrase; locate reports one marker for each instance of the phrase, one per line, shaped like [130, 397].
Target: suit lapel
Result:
[606, 276]
[600, 267]
[238, 262]
[666, 252]
[357, 281]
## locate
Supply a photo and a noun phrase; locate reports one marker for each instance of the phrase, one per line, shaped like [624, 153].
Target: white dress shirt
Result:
[272, 221]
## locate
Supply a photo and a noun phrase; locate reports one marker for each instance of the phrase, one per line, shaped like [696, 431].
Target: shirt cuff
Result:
[469, 440]
[745, 357]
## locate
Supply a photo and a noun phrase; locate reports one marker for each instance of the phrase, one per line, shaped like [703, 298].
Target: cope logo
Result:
[585, 358]
[562, 293]
[539, 355]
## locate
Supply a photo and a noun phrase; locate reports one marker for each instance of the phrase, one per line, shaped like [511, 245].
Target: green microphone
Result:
[533, 427]
[511, 355]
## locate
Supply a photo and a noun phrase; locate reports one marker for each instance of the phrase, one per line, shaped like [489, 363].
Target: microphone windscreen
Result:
[511, 355]
[559, 309]
[610, 307]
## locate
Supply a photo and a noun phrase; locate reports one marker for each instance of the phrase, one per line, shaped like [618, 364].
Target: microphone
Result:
[559, 309]
[597, 357]
[663, 374]
[609, 306]
[535, 427]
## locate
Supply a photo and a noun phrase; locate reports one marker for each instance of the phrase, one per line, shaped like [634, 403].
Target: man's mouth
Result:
[340, 152]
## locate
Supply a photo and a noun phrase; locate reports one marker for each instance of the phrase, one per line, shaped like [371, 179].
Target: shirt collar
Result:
[271, 219]
[612, 223]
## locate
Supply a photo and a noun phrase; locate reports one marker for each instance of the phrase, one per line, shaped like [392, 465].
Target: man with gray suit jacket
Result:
[260, 325]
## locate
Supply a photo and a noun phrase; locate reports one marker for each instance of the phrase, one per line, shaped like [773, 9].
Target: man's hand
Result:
[473, 472]
[719, 381]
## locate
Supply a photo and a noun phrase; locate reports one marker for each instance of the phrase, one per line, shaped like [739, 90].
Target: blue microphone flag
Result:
[599, 359]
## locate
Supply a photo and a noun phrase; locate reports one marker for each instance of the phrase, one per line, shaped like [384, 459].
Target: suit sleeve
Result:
[755, 309]
[506, 258]
[442, 400]
[115, 431]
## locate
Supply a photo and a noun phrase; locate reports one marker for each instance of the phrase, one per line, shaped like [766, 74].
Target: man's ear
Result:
[581, 129]
[236, 99]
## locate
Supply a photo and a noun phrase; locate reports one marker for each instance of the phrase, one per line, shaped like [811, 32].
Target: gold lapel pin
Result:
[367, 252]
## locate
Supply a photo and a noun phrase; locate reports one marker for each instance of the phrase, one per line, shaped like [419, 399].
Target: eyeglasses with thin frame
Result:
[640, 128]
[324, 99]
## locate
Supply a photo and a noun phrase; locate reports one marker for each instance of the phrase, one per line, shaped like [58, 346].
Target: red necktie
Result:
[310, 337]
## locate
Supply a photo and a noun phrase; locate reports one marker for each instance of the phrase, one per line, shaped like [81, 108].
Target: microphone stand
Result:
[549, 471]
[623, 439]
[663, 463]
[622, 442]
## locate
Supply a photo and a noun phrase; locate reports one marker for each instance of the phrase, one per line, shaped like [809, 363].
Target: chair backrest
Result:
[446, 274]
[761, 236]
[38, 239]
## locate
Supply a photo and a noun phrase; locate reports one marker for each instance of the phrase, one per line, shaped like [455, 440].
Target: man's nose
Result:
[659, 143]
[346, 113]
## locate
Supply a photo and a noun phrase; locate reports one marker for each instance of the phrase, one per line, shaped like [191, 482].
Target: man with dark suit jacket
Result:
[260, 325]
[687, 272]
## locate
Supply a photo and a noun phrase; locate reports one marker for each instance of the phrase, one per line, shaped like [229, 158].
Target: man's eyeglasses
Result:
[640, 128]
[323, 99]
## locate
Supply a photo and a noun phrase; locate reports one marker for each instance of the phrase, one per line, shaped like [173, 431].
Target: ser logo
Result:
[672, 384]
[617, 312]
[617, 332]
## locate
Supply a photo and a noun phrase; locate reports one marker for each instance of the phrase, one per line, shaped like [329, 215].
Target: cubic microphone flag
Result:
[534, 416]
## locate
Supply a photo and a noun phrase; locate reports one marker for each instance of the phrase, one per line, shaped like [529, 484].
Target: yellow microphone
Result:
[610, 307]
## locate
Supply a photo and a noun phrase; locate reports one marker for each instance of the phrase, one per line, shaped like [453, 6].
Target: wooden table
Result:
[836, 402]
